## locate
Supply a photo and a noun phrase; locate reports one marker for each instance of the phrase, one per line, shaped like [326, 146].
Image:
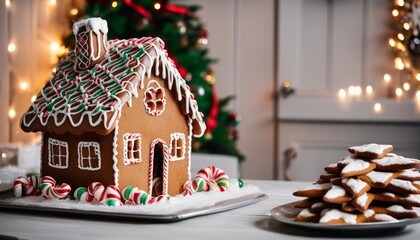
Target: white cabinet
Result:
[325, 46]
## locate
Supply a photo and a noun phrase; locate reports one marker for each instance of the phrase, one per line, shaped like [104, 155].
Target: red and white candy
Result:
[207, 179]
[51, 191]
[140, 197]
[110, 195]
[26, 186]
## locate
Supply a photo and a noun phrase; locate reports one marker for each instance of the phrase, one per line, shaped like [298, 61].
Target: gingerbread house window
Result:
[154, 98]
[58, 153]
[132, 147]
[89, 156]
[177, 146]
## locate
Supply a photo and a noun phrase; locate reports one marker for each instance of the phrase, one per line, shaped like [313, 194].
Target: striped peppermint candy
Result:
[51, 191]
[26, 186]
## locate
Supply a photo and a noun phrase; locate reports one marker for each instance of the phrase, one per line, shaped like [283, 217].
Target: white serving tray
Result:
[9, 203]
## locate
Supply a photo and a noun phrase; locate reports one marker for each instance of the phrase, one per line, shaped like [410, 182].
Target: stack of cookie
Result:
[370, 185]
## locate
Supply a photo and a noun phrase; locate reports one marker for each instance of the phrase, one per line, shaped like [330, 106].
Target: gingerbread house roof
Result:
[91, 100]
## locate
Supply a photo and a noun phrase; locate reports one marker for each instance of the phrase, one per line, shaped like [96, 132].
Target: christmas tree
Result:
[185, 39]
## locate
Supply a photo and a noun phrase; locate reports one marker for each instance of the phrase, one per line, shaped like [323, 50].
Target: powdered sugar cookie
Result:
[392, 162]
[307, 216]
[314, 191]
[396, 211]
[332, 168]
[335, 216]
[337, 194]
[357, 167]
[411, 200]
[402, 186]
[355, 187]
[411, 175]
[378, 179]
[362, 202]
[307, 202]
[371, 150]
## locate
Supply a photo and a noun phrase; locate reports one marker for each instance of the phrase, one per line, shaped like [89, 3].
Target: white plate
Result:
[287, 214]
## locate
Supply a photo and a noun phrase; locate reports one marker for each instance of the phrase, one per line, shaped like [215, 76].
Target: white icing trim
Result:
[115, 153]
[152, 90]
[94, 24]
[190, 146]
[54, 142]
[97, 152]
[133, 138]
[174, 138]
[157, 59]
[165, 167]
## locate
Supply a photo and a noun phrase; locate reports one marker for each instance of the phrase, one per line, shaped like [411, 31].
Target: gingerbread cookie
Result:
[392, 162]
[314, 191]
[364, 188]
[335, 216]
[357, 167]
[371, 150]
[396, 211]
[336, 195]
[411, 175]
[307, 216]
[355, 187]
[403, 186]
[378, 179]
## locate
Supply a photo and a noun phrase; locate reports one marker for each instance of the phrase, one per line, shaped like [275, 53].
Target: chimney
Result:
[91, 42]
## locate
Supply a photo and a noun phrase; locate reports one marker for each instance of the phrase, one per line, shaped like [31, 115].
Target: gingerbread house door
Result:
[158, 170]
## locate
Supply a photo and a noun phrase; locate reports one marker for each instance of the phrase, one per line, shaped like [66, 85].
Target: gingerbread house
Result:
[117, 112]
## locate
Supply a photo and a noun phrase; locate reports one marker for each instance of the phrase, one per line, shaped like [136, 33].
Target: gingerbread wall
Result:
[73, 175]
[135, 119]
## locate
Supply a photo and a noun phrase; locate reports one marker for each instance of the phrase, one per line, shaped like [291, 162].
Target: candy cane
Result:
[97, 190]
[81, 194]
[113, 196]
[51, 191]
[158, 199]
[140, 197]
[135, 195]
[216, 179]
[24, 186]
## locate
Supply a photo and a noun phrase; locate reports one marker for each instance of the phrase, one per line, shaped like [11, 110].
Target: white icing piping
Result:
[156, 44]
[115, 153]
[189, 148]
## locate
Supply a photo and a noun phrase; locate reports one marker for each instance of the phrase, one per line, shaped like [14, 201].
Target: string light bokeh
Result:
[405, 82]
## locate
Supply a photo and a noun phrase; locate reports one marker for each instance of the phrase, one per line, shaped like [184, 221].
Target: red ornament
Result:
[214, 111]
[176, 9]
[139, 9]
[204, 33]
